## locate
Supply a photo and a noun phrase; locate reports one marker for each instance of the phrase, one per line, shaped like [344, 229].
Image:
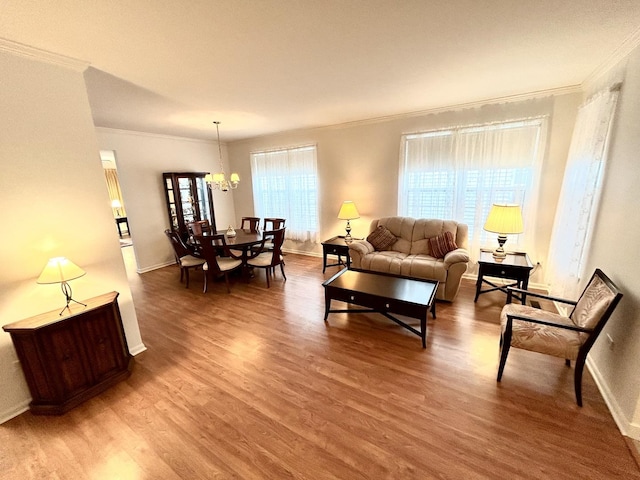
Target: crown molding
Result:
[569, 89]
[138, 133]
[618, 55]
[33, 53]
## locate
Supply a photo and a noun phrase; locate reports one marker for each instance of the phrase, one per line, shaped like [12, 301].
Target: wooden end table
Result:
[385, 294]
[335, 246]
[516, 266]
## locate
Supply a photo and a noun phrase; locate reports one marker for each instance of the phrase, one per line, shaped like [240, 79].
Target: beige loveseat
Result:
[411, 253]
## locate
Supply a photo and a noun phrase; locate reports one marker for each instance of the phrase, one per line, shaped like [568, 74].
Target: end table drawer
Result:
[502, 271]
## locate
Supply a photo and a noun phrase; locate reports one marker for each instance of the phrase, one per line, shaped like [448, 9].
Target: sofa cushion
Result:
[442, 244]
[381, 238]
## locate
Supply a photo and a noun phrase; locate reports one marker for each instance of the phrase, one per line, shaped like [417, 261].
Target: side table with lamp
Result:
[503, 219]
[339, 245]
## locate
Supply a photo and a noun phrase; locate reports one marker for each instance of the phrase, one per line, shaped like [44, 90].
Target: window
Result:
[459, 173]
[285, 185]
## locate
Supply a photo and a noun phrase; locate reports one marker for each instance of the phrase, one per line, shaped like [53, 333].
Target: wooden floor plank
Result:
[254, 384]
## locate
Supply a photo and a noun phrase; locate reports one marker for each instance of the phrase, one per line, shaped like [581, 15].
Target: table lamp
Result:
[60, 270]
[503, 219]
[348, 211]
[115, 204]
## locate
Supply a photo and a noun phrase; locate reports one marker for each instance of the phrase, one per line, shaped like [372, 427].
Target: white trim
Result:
[137, 133]
[155, 267]
[139, 348]
[33, 53]
[15, 411]
[616, 57]
[626, 428]
[430, 111]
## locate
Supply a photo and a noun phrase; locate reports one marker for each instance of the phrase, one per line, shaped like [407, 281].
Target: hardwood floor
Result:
[254, 385]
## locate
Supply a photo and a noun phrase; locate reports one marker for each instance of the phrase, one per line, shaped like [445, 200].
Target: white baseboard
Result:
[626, 428]
[137, 349]
[15, 411]
[154, 267]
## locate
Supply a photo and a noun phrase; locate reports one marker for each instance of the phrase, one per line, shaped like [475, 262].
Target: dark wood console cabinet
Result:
[70, 358]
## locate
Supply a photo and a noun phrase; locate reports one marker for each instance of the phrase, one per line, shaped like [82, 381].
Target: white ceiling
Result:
[264, 66]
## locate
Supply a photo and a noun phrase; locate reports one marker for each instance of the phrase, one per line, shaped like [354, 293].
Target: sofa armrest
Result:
[357, 250]
[459, 255]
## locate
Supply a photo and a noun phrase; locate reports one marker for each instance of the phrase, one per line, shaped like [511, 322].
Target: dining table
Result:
[243, 240]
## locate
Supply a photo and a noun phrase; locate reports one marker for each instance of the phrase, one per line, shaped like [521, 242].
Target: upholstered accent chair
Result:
[184, 259]
[551, 333]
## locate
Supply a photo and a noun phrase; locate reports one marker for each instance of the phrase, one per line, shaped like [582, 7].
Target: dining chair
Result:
[273, 224]
[196, 228]
[270, 224]
[569, 337]
[216, 265]
[184, 258]
[250, 223]
[261, 258]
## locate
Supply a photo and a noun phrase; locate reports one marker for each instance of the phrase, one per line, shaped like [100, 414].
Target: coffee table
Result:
[384, 294]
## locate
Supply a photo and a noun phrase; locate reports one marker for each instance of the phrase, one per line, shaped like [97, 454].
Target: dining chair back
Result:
[261, 258]
[196, 228]
[183, 256]
[211, 246]
[250, 223]
[273, 224]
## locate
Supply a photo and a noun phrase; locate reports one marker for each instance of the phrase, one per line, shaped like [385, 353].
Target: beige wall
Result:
[141, 159]
[54, 202]
[613, 249]
[360, 162]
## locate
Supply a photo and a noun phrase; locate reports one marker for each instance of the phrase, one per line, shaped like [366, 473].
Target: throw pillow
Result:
[381, 238]
[442, 244]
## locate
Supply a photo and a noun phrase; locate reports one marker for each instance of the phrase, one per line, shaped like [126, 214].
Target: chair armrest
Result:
[575, 328]
[529, 293]
[459, 255]
[361, 246]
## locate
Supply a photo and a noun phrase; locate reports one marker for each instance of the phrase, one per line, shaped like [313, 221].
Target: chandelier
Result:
[219, 180]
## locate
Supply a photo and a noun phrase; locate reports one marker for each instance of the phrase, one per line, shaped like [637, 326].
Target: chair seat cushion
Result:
[191, 261]
[263, 260]
[555, 341]
[225, 264]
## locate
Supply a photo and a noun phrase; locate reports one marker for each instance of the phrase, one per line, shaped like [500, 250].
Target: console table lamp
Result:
[60, 270]
[348, 211]
[503, 219]
[115, 204]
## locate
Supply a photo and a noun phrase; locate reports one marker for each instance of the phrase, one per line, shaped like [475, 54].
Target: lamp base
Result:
[499, 254]
[347, 237]
[66, 289]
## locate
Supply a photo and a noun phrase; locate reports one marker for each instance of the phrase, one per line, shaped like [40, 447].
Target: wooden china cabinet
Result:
[189, 200]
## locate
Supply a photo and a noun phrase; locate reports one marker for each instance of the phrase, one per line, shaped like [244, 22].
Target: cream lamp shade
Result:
[348, 211]
[504, 219]
[61, 270]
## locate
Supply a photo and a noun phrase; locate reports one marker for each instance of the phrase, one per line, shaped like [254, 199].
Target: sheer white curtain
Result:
[285, 185]
[580, 194]
[459, 173]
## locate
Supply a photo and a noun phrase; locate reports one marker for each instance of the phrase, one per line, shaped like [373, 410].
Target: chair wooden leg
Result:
[268, 271]
[226, 279]
[206, 281]
[505, 343]
[567, 362]
[186, 275]
[577, 379]
[282, 270]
